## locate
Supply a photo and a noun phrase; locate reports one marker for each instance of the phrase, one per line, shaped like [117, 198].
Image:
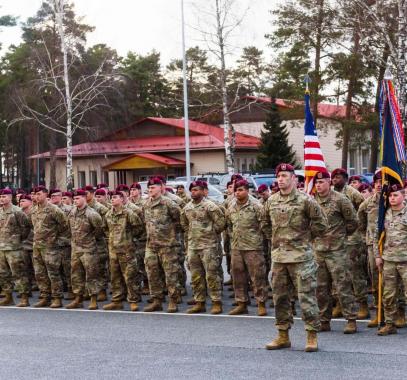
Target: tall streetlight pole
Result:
[186, 117]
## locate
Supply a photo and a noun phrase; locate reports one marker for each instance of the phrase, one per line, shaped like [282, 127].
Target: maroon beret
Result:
[241, 183]
[100, 192]
[363, 187]
[21, 191]
[274, 187]
[322, 175]
[135, 185]
[169, 189]
[395, 187]
[109, 193]
[154, 181]
[116, 192]
[53, 191]
[102, 186]
[25, 196]
[197, 183]
[262, 188]
[122, 187]
[89, 188]
[67, 194]
[377, 175]
[355, 178]
[161, 178]
[284, 168]
[40, 188]
[79, 192]
[236, 177]
[6, 192]
[339, 171]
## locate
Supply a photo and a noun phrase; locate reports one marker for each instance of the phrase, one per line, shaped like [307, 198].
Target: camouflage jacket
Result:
[357, 199]
[138, 209]
[185, 197]
[342, 221]
[85, 226]
[121, 226]
[162, 218]
[367, 214]
[291, 222]
[98, 207]
[243, 222]
[395, 243]
[175, 198]
[202, 223]
[64, 239]
[14, 228]
[48, 222]
[138, 202]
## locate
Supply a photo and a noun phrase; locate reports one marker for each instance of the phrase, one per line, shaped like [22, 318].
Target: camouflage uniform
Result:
[202, 222]
[243, 222]
[103, 255]
[330, 254]
[122, 225]
[357, 250]
[85, 226]
[14, 228]
[266, 247]
[161, 216]
[367, 215]
[64, 245]
[395, 260]
[28, 256]
[226, 237]
[292, 221]
[185, 197]
[48, 221]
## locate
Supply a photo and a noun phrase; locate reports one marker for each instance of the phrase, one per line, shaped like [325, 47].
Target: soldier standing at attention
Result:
[393, 262]
[356, 248]
[67, 198]
[243, 222]
[202, 221]
[101, 197]
[292, 220]
[162, 220]
[182, 194]
[330, 254]
[85, 225]
[14, 228]
[48, 221]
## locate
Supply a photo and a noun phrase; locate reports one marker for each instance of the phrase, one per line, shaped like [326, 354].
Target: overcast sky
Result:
[143, 25]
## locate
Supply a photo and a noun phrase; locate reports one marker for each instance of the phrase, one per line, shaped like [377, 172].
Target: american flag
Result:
[313, 158]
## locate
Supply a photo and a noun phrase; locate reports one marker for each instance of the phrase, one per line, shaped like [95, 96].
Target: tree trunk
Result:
[317, 63]
[52, 160]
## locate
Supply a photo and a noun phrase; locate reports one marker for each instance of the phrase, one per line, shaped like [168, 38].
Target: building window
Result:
[365, 160]
[105, 176]
[352, 162]
[81, 179]
[121, 177]
[93, 177]
[244, 165]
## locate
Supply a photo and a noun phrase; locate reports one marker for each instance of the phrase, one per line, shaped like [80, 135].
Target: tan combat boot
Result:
[133, 306]
[43, 302]
[102, 296]
[216, 307]
[241, 308]
[325, 326]
[261, 309]
[387, 329]
[363, 312]
[56, 303]
[93, 303]
[8, 300]
[312, 342]
[199, 307]
[70, 295]
[337, 311]
[113, 306]
[400, 321]
[350, 327]
[373, 322]
[172, 306]
[24, 301]
[77, 303]
[156, 305]
[282, 341]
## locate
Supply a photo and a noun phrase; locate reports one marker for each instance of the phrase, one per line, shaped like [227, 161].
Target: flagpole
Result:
[186, 117]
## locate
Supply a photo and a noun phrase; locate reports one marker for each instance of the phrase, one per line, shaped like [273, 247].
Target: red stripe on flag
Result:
[312, 156]
[310, 144]
[316, 168]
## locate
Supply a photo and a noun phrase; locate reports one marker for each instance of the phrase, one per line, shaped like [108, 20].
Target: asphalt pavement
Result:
[81, 344]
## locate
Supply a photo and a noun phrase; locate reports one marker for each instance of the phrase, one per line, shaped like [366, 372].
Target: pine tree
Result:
[274, 148]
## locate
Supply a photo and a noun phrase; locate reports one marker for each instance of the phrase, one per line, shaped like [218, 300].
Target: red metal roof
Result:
[211, 138]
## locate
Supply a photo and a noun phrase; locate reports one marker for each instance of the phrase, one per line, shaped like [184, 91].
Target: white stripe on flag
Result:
[309, 138]
[318, 163]
[313, 151]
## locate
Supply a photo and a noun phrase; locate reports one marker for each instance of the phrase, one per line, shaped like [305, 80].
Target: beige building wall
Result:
[204, 162]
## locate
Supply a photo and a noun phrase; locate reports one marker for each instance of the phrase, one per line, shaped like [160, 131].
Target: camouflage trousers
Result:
[28, 257]
[227, 251]
[162, 266]
[301, 276]
[181, 260]
[65, 253]
[358, 271]
[103, 265]
[84, 273]
[47, 265]
[394, 275]
[334, 270]
[267, 256]
[373, 273]
[13, 269]
[140, 247]
[205, 274]
[249, 265]
[124, 271]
